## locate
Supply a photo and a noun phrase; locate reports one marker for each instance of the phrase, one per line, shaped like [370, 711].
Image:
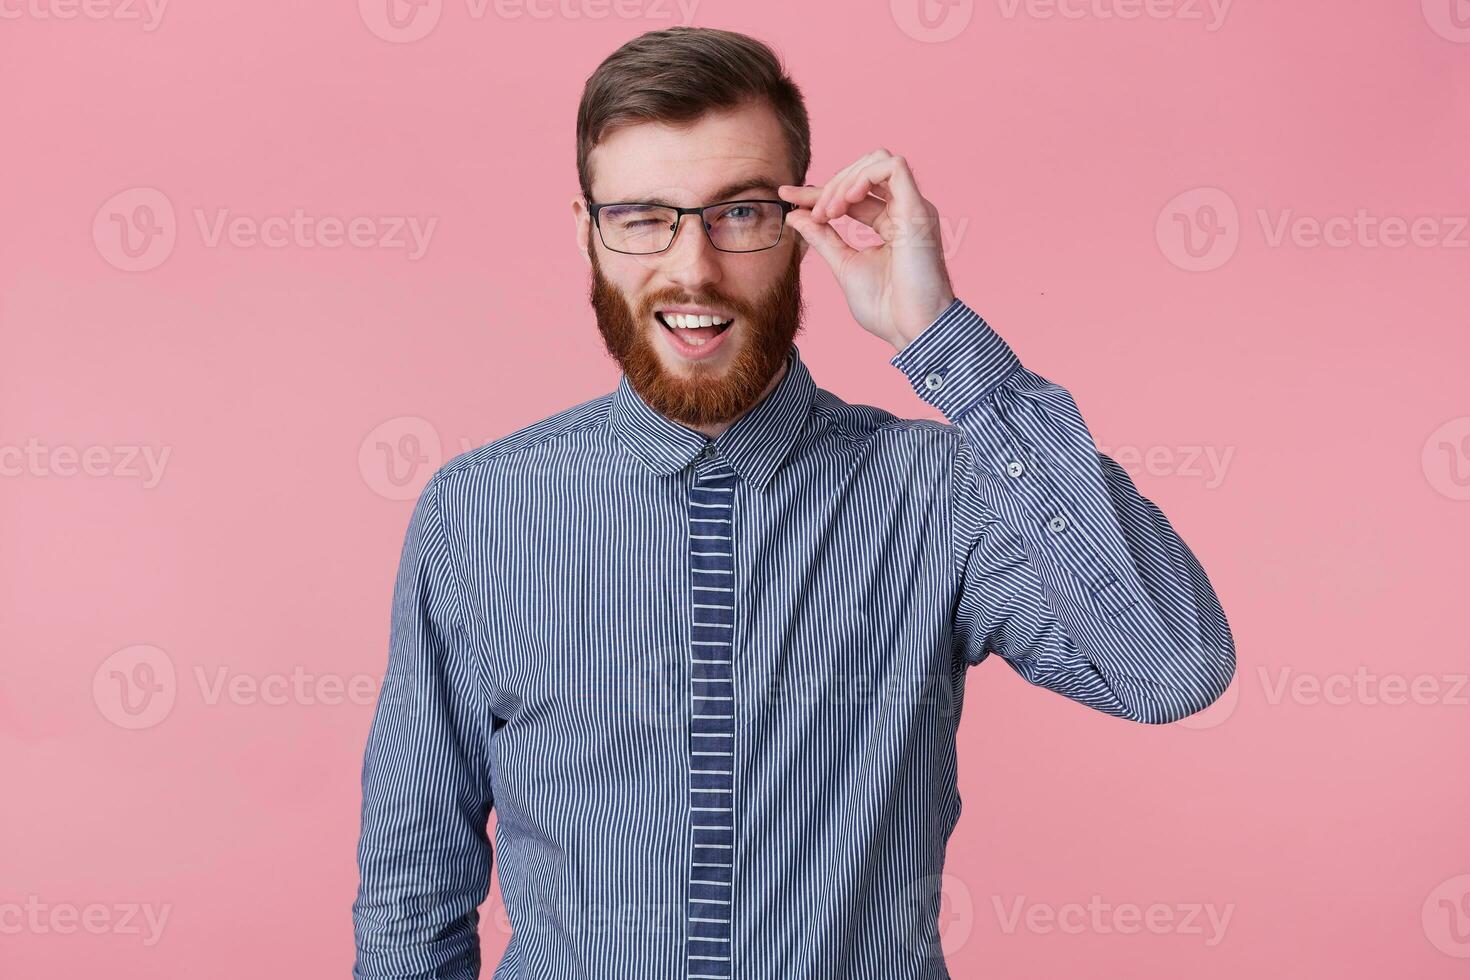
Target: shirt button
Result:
[707, 451]
[1057, 523]
[1014, 468]
[933, 381]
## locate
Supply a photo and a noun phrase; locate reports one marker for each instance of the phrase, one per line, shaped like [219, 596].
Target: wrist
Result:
[903, 337]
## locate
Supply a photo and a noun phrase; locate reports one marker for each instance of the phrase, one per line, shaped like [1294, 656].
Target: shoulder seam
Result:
[498, 449]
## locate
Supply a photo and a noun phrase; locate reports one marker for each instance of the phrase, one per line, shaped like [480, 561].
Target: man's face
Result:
[708, 376]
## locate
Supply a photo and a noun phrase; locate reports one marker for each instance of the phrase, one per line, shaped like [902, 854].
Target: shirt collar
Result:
[754, 446]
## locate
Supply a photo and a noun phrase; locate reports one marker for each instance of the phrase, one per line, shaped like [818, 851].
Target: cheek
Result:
[630, 279]
[753, 280]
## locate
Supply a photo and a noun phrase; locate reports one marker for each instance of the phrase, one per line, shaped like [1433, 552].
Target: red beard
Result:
[767, 329]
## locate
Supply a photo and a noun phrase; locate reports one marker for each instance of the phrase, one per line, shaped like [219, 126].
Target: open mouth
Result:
[693, 331]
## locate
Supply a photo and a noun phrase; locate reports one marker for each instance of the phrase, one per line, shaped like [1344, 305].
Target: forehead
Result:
[689, 164]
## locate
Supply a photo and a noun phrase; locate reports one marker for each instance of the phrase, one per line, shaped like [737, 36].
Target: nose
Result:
[691, 262]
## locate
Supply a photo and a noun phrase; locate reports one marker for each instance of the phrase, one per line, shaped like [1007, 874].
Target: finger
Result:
[831, 187]
[821, 211]
[804, 196]
[858, 187]
[906, 198]
[884, 177]
[873, 212]
[899, 225]
[822, 237]
[824, 192]
[893, 179]
[839, 186]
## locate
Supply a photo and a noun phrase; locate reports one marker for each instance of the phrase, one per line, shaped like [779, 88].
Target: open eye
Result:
[738, 212]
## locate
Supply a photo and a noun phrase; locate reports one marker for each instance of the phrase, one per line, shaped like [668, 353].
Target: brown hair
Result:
[677, 75]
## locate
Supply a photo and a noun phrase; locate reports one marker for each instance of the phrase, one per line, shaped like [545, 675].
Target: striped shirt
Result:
[710, 688]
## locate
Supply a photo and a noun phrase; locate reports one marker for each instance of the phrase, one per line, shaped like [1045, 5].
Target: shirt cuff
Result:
[956, 360]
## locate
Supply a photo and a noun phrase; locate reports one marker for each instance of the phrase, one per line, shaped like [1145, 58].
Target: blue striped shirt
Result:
[711, 687]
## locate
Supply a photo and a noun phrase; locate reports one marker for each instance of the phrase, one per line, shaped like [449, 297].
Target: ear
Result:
[583, 219]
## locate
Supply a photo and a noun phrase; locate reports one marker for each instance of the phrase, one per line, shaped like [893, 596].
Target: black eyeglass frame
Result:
[786, 208]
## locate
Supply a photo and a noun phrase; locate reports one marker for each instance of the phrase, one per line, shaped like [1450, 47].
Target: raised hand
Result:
[895, 289]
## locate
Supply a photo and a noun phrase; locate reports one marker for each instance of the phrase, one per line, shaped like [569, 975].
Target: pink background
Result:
[1321, 806]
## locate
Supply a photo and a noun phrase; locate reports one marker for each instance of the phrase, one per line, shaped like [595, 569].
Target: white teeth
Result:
[688, 321]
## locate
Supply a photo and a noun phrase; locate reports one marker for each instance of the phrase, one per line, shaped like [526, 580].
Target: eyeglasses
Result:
[634, 228]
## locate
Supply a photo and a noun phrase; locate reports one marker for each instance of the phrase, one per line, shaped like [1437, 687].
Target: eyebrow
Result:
[727, 192]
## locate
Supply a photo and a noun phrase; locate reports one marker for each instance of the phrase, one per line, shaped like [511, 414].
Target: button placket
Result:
[712, 719]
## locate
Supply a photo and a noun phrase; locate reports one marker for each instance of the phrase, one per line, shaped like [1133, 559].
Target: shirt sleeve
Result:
[1064, 569]
[423, 855]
